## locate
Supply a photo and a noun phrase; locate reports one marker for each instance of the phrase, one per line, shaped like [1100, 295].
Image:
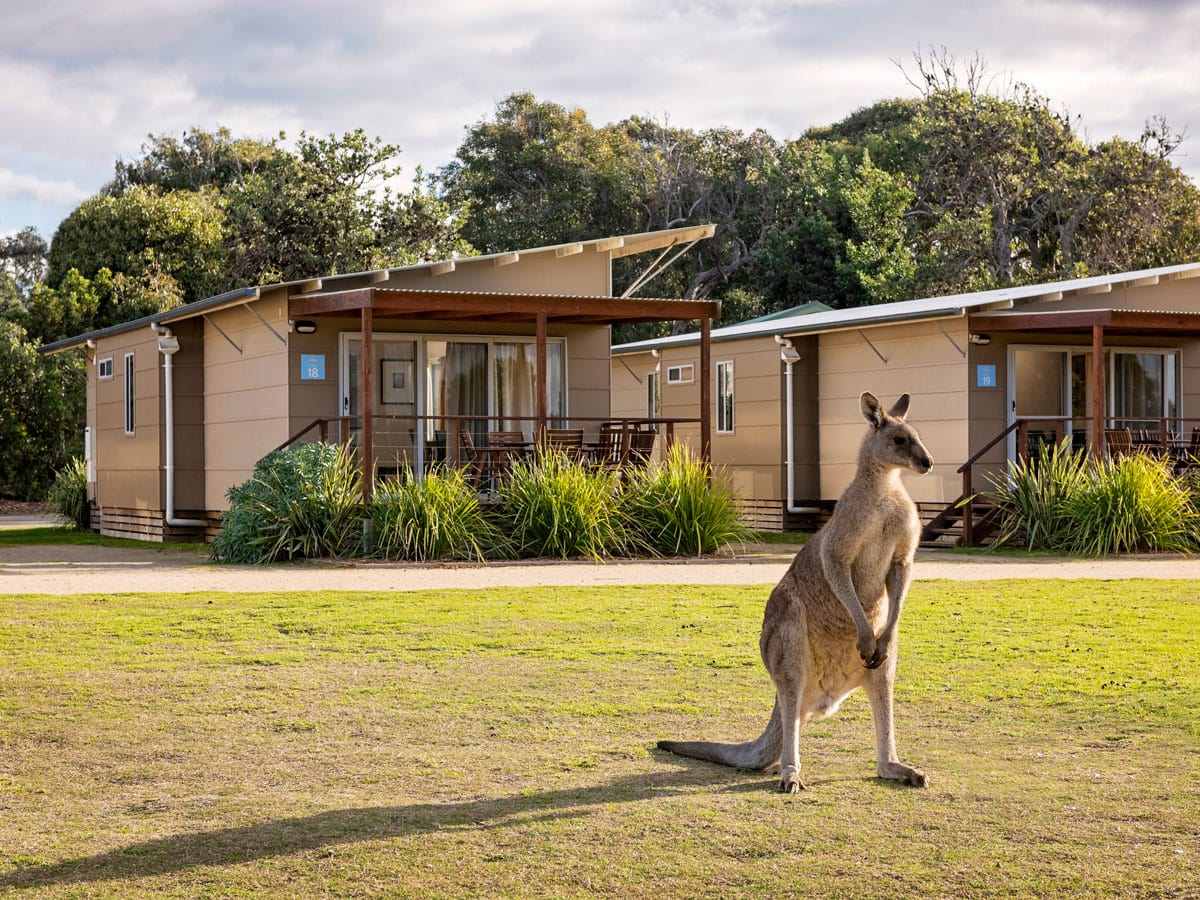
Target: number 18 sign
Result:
[312, 366]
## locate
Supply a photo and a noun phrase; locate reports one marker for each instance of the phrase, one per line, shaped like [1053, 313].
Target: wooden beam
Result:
[1179, 276]
[313, 284]
[342, 301]
[540, 377]
[613, 243]
[506, 259]
[706, 390]
[1142, 282]
[1098, 390]
[1096, 289]
[379, 276]
[365, 436]
[568, 250]
[442, 268]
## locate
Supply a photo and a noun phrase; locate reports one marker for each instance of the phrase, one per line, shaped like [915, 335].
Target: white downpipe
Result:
[168, 346]
[790, 357]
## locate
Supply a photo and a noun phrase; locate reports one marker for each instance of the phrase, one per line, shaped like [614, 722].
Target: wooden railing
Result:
[419, 441]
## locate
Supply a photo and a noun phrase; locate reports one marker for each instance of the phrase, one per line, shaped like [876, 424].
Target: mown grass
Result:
[500, 743]
[50, 535]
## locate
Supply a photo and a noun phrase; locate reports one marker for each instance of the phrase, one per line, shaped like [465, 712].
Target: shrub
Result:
[1033, 496]
[68, 493]
[678, 507]
[438, 517]
[1065, 501]
[552, 505]
[1132, 503]
[302, 502]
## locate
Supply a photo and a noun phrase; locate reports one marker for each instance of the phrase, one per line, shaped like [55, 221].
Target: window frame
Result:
[675, 373]
[101, 374]
[723, 394]
[130, 394]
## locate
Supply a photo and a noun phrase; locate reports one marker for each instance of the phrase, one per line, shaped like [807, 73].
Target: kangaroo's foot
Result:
[896, 771]
[789, 781]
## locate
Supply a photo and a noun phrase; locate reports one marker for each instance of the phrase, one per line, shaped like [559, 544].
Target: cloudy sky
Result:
[83, 83]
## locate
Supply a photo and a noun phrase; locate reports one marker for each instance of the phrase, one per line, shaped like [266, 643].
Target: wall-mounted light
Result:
[305, 326]
[980, 340]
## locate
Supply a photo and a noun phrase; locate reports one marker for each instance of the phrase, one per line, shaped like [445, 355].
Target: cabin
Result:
[1103, 361]
[407, 365]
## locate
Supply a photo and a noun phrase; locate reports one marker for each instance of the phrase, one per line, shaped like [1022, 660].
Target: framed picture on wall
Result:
[396, 381]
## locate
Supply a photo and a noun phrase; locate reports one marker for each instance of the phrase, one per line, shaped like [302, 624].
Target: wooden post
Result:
[1097, 390]
[366, 434]
[706, 390]
[543, 390]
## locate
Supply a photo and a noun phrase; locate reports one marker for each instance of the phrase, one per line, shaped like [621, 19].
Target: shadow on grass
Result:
[283, 837]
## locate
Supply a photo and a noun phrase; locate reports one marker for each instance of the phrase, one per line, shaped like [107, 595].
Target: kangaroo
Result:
[830, 623]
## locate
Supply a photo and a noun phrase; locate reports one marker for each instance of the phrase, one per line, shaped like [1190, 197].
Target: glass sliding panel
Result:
[725, 396]
[515, 400]
[395, 404]
[1145, 388]
[457, 385]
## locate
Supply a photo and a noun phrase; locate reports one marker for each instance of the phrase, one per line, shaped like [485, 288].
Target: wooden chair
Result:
[1119, 442]
[474, 460]
[612, 446]
[641, 445]
[567, 440]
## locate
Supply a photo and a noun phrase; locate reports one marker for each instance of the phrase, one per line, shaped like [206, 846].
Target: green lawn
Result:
[453, 743]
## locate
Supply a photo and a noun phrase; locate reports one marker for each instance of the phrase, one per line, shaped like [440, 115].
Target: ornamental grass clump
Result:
[1033, 496]
[68, 494]
[438, 517]
[1130, 504]
[303, 502]
[1065, 501]
[679, 506]
[552, 505]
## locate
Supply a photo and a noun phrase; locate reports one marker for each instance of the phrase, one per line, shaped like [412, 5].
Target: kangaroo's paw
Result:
[902, 773]
[873, 652]
[789, 782]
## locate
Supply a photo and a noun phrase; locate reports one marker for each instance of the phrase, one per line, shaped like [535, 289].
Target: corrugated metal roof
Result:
[949, 306]
[618, 245]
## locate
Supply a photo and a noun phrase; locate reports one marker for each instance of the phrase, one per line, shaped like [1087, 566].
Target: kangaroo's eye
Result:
[899, 441]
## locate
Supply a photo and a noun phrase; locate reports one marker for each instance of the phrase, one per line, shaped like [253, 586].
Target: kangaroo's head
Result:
[892, 442]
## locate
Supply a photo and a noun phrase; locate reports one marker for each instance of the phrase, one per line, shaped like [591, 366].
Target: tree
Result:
[144, 234]
[42, 411]
[540, 174]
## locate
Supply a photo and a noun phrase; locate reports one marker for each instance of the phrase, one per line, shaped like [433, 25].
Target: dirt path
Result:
[103, 570]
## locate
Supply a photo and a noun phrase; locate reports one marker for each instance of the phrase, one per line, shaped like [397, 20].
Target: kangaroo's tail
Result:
[757, 754]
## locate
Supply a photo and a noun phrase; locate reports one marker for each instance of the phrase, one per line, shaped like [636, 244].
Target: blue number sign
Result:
[312, 366]
[985, 376]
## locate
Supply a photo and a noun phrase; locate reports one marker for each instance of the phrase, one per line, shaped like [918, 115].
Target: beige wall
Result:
[921, 361]
[128, 473]
[246, 405]
[584, 274]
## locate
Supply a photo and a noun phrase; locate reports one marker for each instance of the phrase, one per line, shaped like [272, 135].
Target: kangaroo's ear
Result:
[871, 409]
[900, 410]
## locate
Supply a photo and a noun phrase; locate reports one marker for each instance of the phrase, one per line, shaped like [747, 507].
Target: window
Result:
[725, 396]
[681, 374]
[653, 404]
[104, 367]
[129, 393]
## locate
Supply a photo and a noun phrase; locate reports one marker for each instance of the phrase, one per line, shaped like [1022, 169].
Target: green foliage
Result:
[302, 502]
[1065, 501]
[555, 506]
[68, 493]
[1034, 496]
[146, 235]
[679, 508]
[42, 413]
[1133, 503]
[438, 517]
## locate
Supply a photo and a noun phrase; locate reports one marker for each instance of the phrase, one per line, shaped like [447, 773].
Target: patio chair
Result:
[568, 440]
[641, 445]
[612, 446]
[1119, 442]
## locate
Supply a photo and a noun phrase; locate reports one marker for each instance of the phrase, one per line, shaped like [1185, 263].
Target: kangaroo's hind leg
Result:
[878, 686]
[784, 653]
